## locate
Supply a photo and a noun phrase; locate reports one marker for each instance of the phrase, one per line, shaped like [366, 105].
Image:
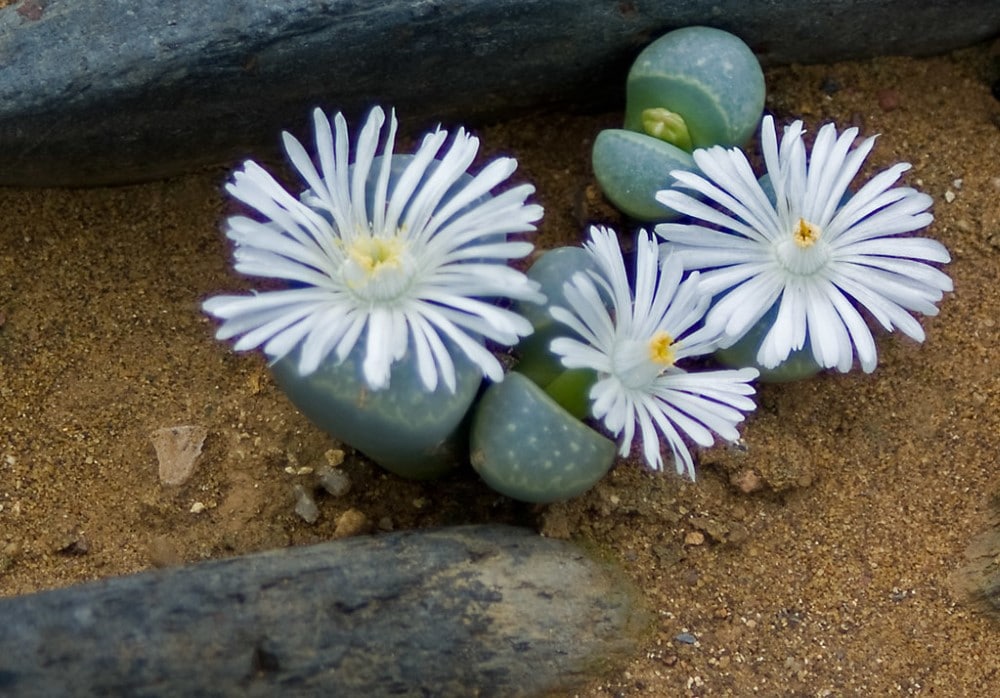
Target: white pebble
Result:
[334, 481]
[305, 505]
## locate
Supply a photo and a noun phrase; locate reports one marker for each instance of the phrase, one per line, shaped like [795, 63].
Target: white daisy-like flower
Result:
[812, 249]
[401, 252]
[634, 350]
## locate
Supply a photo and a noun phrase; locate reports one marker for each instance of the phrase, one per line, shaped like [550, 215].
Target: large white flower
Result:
[811, 248]
[404, 251]
[634, 349]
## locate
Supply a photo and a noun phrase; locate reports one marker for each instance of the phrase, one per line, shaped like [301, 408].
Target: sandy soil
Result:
[830, 579]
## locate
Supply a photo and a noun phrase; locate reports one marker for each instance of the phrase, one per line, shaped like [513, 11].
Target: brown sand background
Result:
[829, 580]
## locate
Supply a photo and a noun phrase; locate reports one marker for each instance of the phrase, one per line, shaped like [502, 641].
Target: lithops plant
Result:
[393, 263]
[631, 167]
[406, 429]
[691, 88]
[527, 440]
[525, 445]
[695, 87]
[550, 271]
[619, 354]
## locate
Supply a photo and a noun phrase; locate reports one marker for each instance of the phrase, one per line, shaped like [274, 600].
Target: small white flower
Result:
[635, 347]
[405, 261]
[811, 251]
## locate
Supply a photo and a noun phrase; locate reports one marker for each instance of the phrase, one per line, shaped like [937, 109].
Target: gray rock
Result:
[110, 91]
[479, 610]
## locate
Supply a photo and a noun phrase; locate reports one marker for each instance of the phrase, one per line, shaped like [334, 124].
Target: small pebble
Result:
[351, 523]
[197, 508]
[75, 544]
[334, 457]
[303, 470]
[949, 196]
[686, 638]
[336, 482]
[694, 538]
[747, 481]
[177, 450]
[305, 505]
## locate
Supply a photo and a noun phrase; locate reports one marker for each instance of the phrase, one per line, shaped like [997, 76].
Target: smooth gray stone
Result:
[478, 610]
[112, 91]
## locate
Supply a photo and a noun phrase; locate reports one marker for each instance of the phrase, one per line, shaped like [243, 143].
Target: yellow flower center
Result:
[638, 362]
[375, 255]
[378, 268]
[804, 252]
[806, 234]
[661, 349]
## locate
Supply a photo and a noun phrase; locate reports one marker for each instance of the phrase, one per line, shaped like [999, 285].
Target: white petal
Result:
[457, 254]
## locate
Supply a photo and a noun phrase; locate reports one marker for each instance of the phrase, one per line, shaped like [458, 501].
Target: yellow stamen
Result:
[661, 349]
[373, 254]
[378, 269]
[806, 234]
